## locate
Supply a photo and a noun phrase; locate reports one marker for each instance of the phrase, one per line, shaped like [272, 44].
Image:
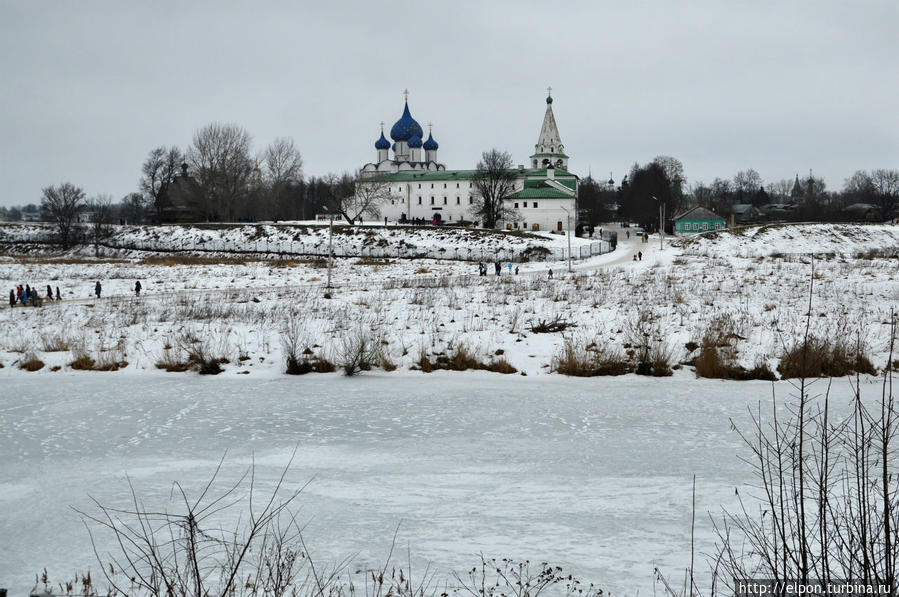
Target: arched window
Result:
[552, 150]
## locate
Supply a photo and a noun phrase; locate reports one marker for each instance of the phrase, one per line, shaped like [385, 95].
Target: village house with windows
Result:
[698, 219]
[422, 188]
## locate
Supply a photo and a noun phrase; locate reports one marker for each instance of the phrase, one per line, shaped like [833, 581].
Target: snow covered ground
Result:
[796, 239]
[590, 474]
[314, 238]
[417, 307]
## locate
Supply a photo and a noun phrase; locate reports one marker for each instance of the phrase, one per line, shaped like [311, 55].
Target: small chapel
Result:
[544, 196]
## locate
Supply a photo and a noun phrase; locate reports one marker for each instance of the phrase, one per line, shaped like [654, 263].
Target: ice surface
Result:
[591, 474]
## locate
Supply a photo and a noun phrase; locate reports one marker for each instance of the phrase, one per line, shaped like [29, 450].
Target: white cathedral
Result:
[421, 187]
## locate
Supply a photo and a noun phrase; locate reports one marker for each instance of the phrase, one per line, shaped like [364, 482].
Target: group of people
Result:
[638, 256]
[497, 268]
[27, 294]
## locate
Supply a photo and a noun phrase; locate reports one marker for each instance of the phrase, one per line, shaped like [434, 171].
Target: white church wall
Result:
[548, 214]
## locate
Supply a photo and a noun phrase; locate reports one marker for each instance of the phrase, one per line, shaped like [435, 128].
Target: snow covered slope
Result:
[793, 239]
[307, 239]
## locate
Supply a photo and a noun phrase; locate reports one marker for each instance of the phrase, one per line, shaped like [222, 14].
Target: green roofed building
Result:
[698, 219]
[422, 188]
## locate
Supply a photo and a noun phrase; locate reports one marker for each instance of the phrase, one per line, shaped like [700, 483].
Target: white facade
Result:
[421, 188]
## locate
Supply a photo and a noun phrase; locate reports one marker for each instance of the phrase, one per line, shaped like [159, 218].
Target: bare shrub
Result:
[188, 549]
[203, 352]
[501, 365]
[30, 362]
[827, 494]
[580, 359]
[172, 360]
[557, 324]
[358, 350]
[824, 357]
[57, 342]
[660, 358]
[462, 359]
[717, 355]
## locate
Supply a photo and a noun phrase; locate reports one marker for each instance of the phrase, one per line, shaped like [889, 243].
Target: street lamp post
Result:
[568, 223]
[661, 221]
[330, 249]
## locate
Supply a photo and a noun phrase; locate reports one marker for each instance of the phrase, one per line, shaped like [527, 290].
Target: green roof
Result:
[533, 183]
[540, 193]
[538, 189]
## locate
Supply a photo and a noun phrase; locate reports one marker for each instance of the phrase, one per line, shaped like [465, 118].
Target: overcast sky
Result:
[88, 88]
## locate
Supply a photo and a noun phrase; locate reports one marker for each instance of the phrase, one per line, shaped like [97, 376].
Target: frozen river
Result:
[593, 475]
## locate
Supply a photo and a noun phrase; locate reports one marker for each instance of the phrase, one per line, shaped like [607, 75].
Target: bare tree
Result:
[746, 184]
[702, 194]
[158, 171]
[283, 162]
[886, 190]
[63, 203]
[162, 553]
[133, 208]
[221, 164]
[101, 220]
[493, 181]
[826, 494]
[355, 197]
[780, 191]
[283, 169]
[674, 170]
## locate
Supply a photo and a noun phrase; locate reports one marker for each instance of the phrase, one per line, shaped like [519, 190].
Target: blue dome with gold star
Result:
[430, 144]
[406, 127]
[415, 141]
[382, 143]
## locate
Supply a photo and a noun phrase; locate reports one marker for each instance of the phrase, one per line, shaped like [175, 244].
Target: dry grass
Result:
[717, 354]
[177, 259]
[824, 357]
[31, 363]
[715, 363]
[111, 359]
[55, 343]
[304, 365]
[589, 360]
[463, 360]
[557, 324]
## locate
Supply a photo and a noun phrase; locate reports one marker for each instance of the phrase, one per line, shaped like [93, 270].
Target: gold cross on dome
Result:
[549, 91]
[406, 94]
[382, 126]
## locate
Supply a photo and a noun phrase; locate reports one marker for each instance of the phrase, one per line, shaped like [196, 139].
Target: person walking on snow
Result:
[640, 255]
[497, 267]
[137, 288]
[49, 293]
[59, 298]
[97, 288]
[12, 298]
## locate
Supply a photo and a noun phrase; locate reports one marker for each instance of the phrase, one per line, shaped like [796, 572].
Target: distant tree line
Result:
[866, 195]
[219, 178]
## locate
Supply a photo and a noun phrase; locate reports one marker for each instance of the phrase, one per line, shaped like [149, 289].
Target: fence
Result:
[288, 249]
